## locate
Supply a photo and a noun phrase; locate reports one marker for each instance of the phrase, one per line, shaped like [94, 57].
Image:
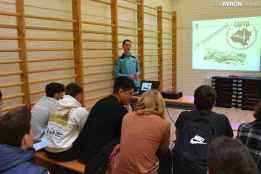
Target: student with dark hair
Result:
[127, 65]
[204, 101]
[16, 141]
[250, 135]
[195, 129]
[65, 124]
[103, 129]
[229, 156]
[45, 107]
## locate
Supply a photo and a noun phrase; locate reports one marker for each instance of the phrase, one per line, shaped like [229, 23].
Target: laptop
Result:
[147, 85]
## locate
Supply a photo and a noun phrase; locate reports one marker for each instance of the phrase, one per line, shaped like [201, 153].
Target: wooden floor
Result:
[235, 116]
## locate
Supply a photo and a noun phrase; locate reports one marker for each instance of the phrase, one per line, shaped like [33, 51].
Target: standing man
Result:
[127, 65]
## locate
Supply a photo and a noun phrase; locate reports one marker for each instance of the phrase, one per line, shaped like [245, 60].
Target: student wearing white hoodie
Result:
[65, 125]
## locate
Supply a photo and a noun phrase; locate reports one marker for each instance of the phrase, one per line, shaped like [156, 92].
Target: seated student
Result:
[103, 129]
[229, 156]
[16, 141]
[45, 107]
[250, 135]
[145, 137]
[195, 129]
[65, 124]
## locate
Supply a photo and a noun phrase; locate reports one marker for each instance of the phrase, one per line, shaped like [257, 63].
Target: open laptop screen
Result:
[147, 85]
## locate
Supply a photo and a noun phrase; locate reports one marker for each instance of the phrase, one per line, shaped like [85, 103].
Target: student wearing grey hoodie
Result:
[45, 107]
[65, 124]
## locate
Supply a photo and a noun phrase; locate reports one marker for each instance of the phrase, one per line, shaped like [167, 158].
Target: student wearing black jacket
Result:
[103, 128]
[204, 100]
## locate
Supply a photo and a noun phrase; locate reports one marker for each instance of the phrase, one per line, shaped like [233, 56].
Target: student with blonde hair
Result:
[144, 137]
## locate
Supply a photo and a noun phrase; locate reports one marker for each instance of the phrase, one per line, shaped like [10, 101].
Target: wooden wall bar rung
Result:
[10, 62]
[49, 18]
[98, 65]
[10, 73]
[3, 13]
[48, 29]
[8, 85]
[49, 49]
[150, 55]
[48, 59]
[52, 79]
[128, 34]
[9, 97]
[102, 2]
[167, 33]
[132, 2]
[98, 80]
[97, 57]
[167, 12]
[127, 8]
[96, 49]
[150, 25]
[166, 18]
[126, 21]
[37, 92]
[128, 28]
[167, 54]
[8, 38]
[96, 23]
[8, 26]
[151, 37]
[149, 7]
[49, 39]
[166, 38]
[96, 40]
[96, 32]
[51, 69]
[98, 73]
[151, 14]
[152, 31]
[10, 50]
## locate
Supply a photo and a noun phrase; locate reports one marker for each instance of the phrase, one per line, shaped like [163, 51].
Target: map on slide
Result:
[227, 44]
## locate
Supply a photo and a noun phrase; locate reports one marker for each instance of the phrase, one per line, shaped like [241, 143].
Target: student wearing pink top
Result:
[144, 138]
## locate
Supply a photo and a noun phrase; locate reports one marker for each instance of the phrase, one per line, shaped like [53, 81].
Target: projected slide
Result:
[227, 44]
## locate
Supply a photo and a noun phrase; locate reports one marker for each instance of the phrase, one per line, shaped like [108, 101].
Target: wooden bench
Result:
[53, 165]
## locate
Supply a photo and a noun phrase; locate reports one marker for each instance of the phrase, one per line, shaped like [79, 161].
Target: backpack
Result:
[190, 152]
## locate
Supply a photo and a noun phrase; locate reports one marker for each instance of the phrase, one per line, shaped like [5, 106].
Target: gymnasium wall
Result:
[188, 11]
[50, 47]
